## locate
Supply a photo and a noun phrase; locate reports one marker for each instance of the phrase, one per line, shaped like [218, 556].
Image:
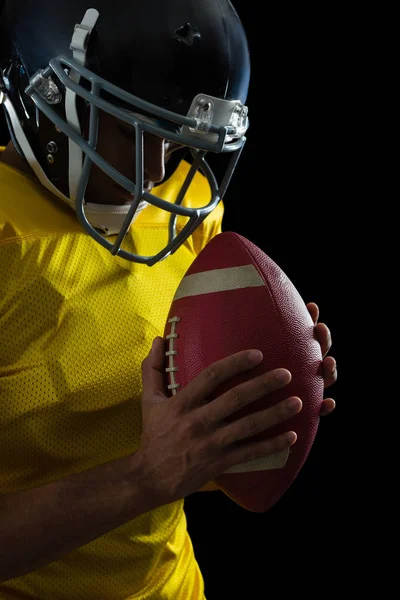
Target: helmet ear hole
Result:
[187, 34]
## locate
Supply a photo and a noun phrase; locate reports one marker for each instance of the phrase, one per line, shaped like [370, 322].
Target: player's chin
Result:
[121, 194]
[127, 197]
[108, 194]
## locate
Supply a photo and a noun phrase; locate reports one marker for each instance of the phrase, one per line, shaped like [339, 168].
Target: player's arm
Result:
[41, 525]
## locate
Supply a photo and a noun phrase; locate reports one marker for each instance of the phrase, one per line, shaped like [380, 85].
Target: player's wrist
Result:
[146, 494]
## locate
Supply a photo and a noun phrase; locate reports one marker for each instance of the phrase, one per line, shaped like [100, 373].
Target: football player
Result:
[126, 122]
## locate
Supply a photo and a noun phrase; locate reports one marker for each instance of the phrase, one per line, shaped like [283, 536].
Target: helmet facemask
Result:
[67, 93]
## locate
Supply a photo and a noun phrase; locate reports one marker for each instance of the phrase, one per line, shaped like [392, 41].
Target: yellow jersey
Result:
[76, 324]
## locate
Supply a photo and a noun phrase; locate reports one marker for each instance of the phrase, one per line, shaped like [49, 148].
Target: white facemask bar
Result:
[79, 43]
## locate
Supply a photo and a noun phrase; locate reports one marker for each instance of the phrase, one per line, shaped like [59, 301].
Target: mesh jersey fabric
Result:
[76, 323]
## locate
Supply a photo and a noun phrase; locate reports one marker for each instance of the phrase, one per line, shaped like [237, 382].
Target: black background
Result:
[288, 195]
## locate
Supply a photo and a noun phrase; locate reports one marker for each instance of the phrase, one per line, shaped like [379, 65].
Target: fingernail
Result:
[291, 437]
[294, 404]
[283, 375]
[255, 356]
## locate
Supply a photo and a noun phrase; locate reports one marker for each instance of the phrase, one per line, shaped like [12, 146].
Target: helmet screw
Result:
[50, 158]
[52, 147]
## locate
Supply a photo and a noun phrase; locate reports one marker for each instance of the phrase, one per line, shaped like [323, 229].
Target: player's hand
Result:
[329, 371]
[186, 441]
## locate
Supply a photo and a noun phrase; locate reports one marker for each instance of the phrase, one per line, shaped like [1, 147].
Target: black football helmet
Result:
[178, 69]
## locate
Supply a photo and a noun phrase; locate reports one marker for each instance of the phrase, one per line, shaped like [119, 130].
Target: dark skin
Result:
[116, 145]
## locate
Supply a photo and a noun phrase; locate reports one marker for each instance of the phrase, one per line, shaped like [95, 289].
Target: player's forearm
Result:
[41, 525]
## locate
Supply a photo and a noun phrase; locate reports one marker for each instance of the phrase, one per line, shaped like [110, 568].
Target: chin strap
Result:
[79, 43]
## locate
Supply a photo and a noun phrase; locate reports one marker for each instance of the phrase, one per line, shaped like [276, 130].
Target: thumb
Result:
[153, 374]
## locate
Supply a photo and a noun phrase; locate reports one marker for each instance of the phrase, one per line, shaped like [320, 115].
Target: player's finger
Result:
[197, 391]
[242, 453]
[243, 394]
[313, 309]
[153, 370]
[324, 338]
[329, 371]
[257, 422]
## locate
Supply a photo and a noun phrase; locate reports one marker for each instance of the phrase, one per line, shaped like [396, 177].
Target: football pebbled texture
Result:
[235, 297]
